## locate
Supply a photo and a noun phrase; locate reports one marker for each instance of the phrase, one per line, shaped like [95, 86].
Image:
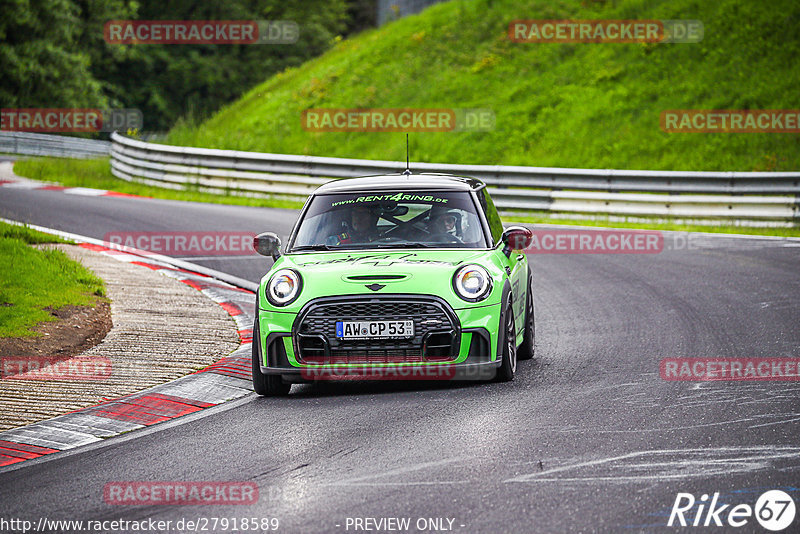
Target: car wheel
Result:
[508, 366]
[527, 348]
[265, 385]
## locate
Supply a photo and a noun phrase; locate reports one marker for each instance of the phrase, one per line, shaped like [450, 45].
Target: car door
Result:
[519, 281]
[516, 263]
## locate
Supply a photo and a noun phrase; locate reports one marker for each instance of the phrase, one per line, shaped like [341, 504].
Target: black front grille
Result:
[435, 330]
[375, 309]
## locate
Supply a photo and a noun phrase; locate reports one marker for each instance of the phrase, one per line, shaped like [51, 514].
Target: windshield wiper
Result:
[318, 246]
[408, 244]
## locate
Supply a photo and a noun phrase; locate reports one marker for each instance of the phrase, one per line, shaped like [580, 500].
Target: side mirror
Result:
[516, 238]
[268, 244]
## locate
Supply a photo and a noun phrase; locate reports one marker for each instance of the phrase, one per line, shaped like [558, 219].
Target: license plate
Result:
[374, 329]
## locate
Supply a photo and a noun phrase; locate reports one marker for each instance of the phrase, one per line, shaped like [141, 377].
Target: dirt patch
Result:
[77, 329]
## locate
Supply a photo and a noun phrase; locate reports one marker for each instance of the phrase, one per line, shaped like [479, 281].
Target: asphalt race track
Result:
[587, 438]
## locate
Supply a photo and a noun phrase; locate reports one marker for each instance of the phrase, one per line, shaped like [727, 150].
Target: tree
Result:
[54, 55]
[41, 60]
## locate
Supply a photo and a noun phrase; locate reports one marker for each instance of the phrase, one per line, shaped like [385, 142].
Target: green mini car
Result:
[404, 276]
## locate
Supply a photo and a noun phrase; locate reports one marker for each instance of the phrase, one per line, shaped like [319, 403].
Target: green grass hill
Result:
[563, 105]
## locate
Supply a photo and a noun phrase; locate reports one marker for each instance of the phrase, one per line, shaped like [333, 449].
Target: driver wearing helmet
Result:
[445, 223]
[363, 225]
[359, 226]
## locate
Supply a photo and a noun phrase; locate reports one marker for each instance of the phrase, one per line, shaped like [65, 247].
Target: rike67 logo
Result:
[774, 510]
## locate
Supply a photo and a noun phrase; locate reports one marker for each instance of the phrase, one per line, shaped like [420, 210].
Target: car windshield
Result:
[390, 220]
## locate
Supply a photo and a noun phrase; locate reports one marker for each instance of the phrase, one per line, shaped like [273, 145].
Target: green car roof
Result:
[399, 182]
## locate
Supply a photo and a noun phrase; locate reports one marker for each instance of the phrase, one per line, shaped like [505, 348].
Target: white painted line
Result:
[47, 436]
[102, 427]
[662, 429]
[776, 422]
[85, 191]
[207, 387]
[428, 483]
[24, 185]
[398, 471]
[682, 466]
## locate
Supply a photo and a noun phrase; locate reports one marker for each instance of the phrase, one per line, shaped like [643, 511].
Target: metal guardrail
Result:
[388, 10]
[716, 195]
[33, 144]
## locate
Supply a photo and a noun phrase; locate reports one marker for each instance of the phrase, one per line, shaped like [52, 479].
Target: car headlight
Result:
[472, 283]
[283, 287]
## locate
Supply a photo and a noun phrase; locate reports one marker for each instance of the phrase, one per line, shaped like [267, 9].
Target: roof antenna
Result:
[407, 172]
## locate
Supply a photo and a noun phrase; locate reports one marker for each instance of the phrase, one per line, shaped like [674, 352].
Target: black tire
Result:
[529, 340]
[508, 366]
[265, 385]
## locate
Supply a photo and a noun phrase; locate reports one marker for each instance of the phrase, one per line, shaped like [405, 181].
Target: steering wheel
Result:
[444, 237]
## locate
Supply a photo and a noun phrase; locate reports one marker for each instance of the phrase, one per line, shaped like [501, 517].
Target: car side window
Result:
[495, 224]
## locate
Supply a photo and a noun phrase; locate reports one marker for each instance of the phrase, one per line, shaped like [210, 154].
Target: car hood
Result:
[402, 271]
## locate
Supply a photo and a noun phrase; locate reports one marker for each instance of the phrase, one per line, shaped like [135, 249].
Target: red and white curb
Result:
[44, 186]
[226, 380]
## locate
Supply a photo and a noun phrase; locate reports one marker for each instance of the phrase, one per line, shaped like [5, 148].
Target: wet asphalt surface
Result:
[587, 438]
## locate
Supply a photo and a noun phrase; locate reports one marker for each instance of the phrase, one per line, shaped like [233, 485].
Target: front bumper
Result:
[471, 354]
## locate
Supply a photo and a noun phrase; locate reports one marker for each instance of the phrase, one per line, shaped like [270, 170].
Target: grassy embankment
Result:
[556, 105]
[32, 280]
